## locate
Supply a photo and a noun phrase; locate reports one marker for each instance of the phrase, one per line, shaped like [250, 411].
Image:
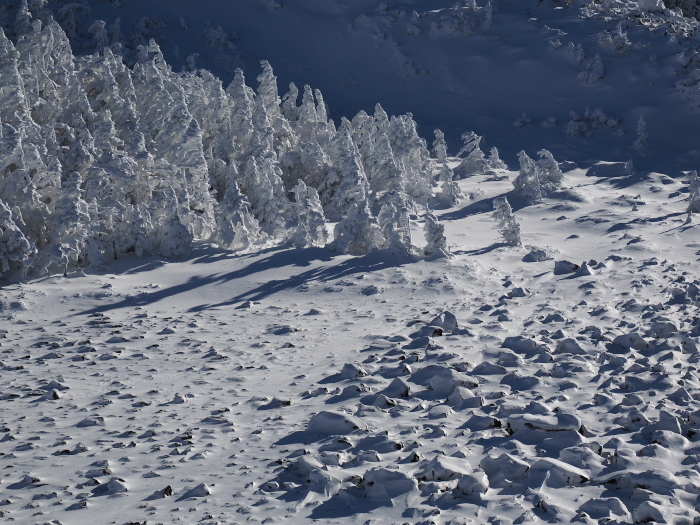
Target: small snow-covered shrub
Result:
[474, 160]
[523, 121]
[538, 178]
[435, 237]
[594, 71]
[641, 143]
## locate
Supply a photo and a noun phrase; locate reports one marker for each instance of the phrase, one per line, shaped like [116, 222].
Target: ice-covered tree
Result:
[412, 155]
[494, 161]
[383, 174]
[508, 225]
[16, 250]
[538, 178]
[357, 233]
[436, 242]
[394, 223]
[310, 223]
[237, 227]
[440, 147]
[527, 182]
[189, 158]
[289, 104]
[694, 197]
[265, 191]
[549, 173]
[308, 162]
[451, 193]
[267, 90]
[594, 71]
[242, 100]
[641, 143]
[68, 229]
[307, 123]
[473, 160]
[346, 182]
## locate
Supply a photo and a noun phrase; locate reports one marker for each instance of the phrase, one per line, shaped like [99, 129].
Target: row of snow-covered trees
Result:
[98, 159]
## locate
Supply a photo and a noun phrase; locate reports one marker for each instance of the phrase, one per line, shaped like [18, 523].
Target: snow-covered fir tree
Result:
[508, 225]
[641, 143]
[99, 157]
[310, 227]
[436, 242]
[450, 193]
[237, 229]
[694, 197]
[538, 178]
[473, 159]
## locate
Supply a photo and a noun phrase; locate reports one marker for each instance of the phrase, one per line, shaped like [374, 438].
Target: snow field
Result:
[297, 384]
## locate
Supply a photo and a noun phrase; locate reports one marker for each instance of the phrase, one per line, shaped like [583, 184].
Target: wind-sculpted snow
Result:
[296, 385]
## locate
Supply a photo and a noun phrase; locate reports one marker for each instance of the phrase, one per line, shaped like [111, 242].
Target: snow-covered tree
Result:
[346, 183]
[307, 123]
[440, 147]
[289, 104]
[527, 182]
[357, 233]
[383, 174]
[508, 225]
[594, 71]
[412, 155]
[237, 227]
[641, 143]
[549, 173]
[242, 100]
[538, 178]
[494, 161]
[16, 250]
[694, 197]
[267, 90]
[436, 242]
[394, 222]
[310, 227]
[474, 160]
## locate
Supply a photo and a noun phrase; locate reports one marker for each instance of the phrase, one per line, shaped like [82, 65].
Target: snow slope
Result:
[293, 385]
[550, 382]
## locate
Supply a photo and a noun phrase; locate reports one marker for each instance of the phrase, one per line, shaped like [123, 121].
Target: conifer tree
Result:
[394, 222]
[237, 227]
[694, 198]
[242, 100]
[346, 183]
[16, 251]
[310, 227]
[509, 227]
[435, 237]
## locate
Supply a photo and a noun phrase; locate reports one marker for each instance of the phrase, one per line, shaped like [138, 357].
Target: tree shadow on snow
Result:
[484, 250]
[277, 258]
[474, 208]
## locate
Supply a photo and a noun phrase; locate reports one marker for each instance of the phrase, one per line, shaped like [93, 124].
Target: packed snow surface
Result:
[272, 387]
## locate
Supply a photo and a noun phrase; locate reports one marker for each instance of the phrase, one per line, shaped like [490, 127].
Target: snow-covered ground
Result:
[293, 385]
[552, 381]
